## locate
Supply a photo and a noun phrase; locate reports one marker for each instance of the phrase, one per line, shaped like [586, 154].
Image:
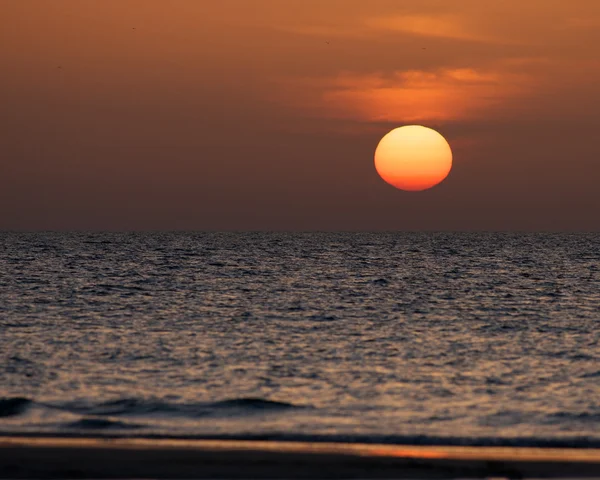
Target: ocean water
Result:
[402, 337]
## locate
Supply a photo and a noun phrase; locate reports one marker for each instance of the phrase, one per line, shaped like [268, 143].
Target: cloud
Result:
[448, 26]
[445, 26]
[410, 95]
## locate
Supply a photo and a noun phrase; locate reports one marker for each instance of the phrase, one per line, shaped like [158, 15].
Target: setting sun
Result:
[413, 158]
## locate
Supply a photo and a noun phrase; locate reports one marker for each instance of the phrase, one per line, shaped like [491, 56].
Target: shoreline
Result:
[561, 443]
[104, 457]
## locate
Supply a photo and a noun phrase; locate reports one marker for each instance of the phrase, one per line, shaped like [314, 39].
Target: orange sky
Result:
[264, 114]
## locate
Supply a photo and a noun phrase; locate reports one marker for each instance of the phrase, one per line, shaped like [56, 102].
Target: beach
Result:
[88, 457]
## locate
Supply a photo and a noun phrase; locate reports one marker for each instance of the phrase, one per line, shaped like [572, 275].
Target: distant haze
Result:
[264, 114]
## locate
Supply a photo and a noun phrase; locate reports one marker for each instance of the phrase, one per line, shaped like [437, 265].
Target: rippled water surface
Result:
[474, 336]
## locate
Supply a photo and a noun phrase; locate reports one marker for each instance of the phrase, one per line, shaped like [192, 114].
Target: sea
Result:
[421, 338]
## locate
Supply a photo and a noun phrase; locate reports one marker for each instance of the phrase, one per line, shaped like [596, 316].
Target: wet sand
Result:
[45, 457]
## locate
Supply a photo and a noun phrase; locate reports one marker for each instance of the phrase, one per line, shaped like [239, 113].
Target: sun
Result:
[413, 158]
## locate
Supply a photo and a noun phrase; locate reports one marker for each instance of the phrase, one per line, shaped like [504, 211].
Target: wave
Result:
[14, 406]
[135, 406]
[136, 417]
[101, 424]
[124, 406]
[10, 407]
[254, 404]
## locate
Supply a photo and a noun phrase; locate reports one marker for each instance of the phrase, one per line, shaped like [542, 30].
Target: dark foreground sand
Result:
[36, 457]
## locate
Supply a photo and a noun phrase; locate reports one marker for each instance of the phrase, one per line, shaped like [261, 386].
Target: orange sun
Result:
[413, 158]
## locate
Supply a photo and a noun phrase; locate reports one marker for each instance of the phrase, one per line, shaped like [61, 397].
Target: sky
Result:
[265, 114]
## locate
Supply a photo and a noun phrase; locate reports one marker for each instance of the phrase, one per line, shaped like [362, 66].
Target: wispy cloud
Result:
[450, 26]
[411, 95]
[445, 26]
[482, 60]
